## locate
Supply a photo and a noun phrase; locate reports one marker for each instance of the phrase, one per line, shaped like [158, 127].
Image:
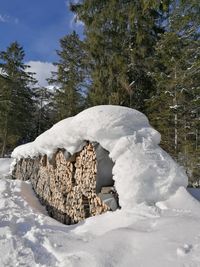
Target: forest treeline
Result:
[135, 53]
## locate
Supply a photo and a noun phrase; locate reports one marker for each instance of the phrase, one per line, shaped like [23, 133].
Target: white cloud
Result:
[8, 19]
[74, 2]
[43, 71]
[4, 18]
[75, 22]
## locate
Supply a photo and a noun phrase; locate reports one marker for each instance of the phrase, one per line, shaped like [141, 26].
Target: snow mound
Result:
[143, 172]
[5, 166]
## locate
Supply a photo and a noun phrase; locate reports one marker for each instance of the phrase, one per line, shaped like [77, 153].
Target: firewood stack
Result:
[67, 187]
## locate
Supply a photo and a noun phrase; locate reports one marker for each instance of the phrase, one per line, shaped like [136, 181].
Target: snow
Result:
[104, 168]
[142, 171]
[174, 106]
[165, 234]
[5, 166]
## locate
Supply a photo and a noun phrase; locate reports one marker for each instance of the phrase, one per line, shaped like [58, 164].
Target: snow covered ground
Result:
[165, 234]
[5, 166]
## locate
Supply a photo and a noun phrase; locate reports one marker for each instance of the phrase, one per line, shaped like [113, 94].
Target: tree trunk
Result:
[175, 119]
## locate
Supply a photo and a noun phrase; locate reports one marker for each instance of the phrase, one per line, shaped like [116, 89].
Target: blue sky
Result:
[37, 25]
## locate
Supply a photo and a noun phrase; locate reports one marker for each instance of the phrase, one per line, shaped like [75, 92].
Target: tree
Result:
[45, 111]
[70, 78]
[174, 108]
[120, 36]
[16, 103]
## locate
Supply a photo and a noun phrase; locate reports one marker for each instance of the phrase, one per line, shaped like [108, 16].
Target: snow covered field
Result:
[167, 234]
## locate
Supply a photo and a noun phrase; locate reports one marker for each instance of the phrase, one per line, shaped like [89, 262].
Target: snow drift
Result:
[142, 172]
[4, 167]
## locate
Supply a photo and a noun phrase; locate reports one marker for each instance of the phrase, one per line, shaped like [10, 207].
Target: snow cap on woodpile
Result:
[142, 172]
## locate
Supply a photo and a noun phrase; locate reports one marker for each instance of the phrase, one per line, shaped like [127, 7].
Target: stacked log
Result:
[67, 187]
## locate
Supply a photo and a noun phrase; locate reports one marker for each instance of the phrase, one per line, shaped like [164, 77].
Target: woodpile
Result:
[66, 186]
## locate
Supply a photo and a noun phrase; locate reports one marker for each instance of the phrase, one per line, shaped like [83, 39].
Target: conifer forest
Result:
[135, 53]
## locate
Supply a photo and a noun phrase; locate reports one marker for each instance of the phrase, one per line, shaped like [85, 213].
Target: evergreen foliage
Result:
[69, 80]
[120, 37]
[16, 103]
[174, 108]
[44, 114]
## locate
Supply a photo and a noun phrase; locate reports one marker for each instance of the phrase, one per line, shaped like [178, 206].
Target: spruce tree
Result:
[44, 115]
[16, 103]
[119, 37]
[174, 108]
[69, 79]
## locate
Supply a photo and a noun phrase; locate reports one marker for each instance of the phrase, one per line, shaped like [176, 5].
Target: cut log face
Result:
[67, 187]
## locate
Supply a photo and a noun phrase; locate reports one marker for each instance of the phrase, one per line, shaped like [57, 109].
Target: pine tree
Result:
[69, 80]
[174, 108]
[120, 36]
[45, 111]
[16, 98]
[5, 107]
